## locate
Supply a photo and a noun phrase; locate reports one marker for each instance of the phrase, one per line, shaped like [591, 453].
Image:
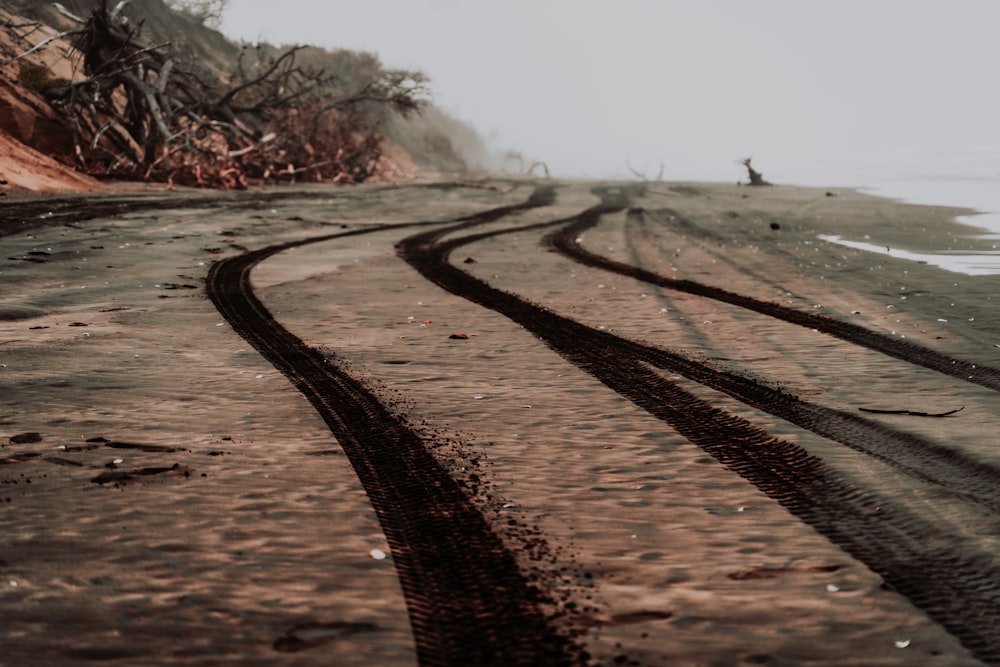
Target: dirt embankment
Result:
[35, 142]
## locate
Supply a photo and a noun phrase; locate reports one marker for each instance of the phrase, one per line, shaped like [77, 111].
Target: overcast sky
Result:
[825, 92]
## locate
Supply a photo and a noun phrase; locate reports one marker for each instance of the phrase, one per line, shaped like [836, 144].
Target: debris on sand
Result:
[116, 476]
[25, 438]
[912, 413]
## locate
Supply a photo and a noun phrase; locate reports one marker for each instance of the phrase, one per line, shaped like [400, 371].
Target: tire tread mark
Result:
[953, 473]
[564, 241]
[469, 603]
[955, 584]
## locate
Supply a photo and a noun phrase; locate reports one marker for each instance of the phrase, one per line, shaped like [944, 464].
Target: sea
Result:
[967, 180]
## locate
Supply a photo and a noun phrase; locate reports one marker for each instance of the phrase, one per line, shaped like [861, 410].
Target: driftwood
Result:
[756, 178]
[141, 112]
[544, 167]
[912, 413]
[522, 166]
[641, 175]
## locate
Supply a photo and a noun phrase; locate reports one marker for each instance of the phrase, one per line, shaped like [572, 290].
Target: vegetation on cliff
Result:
[157, 94]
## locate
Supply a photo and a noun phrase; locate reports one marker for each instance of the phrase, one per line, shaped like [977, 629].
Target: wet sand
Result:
[228, 526]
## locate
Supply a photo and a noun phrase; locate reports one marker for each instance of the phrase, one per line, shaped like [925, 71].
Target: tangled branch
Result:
[140, 113]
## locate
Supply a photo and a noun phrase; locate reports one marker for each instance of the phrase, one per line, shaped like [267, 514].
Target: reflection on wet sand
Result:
[982, 263]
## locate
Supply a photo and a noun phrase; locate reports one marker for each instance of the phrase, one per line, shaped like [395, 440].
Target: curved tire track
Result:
[468, 601]
[564, 241]
[958, 585]
[955, 473]
[952, 472]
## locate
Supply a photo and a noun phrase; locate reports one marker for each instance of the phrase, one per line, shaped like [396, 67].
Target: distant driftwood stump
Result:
[756, 178]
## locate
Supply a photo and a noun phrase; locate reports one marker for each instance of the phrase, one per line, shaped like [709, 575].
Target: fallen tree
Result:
[141, 112]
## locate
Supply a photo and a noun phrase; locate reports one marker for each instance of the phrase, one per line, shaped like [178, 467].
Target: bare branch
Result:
[118, 8]
[41, 45]
[545, 169]
[141, 113]
[68, 14]
[636, 173]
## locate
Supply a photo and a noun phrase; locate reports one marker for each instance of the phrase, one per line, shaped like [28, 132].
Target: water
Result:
[966, 179]
[981, 194]
[973, 264]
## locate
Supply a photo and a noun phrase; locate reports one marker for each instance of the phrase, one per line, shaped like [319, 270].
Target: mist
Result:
[833, 93]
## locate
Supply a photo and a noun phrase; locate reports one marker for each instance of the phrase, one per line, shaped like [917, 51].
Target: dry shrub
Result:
[141, 113]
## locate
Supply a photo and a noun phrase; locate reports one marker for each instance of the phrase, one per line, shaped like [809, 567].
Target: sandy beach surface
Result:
[510, 423]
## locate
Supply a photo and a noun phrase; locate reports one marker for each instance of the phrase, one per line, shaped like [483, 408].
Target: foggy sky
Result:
[823, 92]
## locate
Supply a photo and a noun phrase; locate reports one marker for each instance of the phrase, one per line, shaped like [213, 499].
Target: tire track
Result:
[957, 585]
[469, 602]
[953, 473]
[564, 241]
[21, 217]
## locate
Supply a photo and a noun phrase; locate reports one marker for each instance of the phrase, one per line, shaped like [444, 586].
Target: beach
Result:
[673, 422]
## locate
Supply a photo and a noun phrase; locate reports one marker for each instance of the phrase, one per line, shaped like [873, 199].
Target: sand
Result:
[183, 503]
